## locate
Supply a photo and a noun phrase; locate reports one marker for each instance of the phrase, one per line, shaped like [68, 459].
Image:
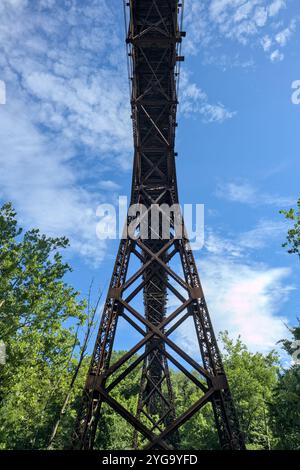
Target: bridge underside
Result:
[167, 274]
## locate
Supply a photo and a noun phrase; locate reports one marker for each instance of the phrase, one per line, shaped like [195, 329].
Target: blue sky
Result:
[66, 143]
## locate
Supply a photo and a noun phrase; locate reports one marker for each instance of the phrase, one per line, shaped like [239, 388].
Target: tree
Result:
[199, 432]
[90, 324]
[293, 235]
[286, 404]
[252, 378]
[114, 431]
[37, 316]
[41, 324]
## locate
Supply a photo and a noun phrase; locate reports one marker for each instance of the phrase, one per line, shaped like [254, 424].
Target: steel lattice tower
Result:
[154, 39]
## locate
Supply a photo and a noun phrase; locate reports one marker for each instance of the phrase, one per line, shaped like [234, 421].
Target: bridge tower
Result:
[164, 272]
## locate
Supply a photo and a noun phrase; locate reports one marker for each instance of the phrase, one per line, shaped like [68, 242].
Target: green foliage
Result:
[114, 432]
[35, 304]
[199, 432]
[293, 236]
[286, 404]
[285, 409]
[39, 320]
[252, 378]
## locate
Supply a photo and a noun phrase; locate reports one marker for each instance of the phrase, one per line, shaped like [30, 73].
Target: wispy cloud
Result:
[109, 185]
[67, 111]
[247, 194]
[193, 100]
[38, 177]
[240, 244]
[212, 22]
[276, 56]
[226, 62]
[283, 36]
[266, 43]
[273, 45]
[217, 244]
[244, 299]
[262, 234]
[50, 59]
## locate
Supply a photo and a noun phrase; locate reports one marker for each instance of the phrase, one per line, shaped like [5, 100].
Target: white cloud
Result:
[266, 43]
[239, 245]
[38, 177]
[86, 110]
[2, 92]
[283, 36]
[109, 185]
[276, 6]
[245, 299]
[244, 193]
[193, 100]
[198, 27]
[242, 20]
[225, 62]
[280, 39]
[276, 56]
[211, 22]
[218, 245]
[67, 111]
[13, 4]
[260, 16]
[68, 75]
[262, 234]
[248, 194]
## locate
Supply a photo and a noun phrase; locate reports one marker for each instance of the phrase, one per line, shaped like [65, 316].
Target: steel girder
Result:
[153, 42]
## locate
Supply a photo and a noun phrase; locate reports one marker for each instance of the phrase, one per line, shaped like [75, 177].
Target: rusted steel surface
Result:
[153, 41]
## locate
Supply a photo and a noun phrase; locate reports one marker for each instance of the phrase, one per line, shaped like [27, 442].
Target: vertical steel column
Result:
[154, 39]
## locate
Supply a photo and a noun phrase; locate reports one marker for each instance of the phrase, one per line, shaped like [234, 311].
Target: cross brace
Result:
[154, 38]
